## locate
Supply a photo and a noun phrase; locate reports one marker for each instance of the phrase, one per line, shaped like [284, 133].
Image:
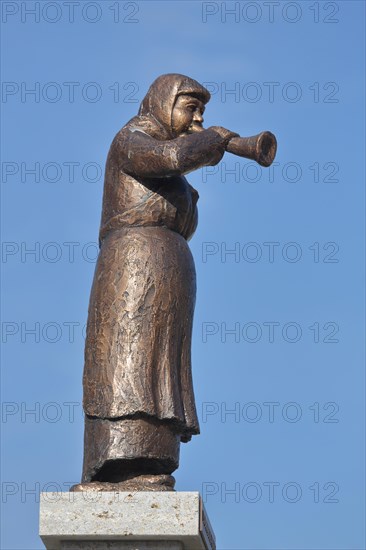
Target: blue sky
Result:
[279, 321]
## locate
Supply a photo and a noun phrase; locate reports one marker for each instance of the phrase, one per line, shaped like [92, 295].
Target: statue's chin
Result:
[195, 128]
[192, 130]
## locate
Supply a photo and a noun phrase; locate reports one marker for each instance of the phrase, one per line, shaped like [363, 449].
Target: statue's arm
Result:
[142, 155]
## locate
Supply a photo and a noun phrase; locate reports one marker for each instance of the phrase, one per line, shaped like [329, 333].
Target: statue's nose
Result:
[197, 117]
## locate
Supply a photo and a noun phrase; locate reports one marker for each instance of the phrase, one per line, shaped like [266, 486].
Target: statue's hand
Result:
[226, 135]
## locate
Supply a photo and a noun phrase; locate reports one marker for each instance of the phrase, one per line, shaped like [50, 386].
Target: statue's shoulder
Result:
[119, 142]
[127, 128]
[140, 124]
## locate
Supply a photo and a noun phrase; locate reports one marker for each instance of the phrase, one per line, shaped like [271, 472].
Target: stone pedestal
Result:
[124, 521]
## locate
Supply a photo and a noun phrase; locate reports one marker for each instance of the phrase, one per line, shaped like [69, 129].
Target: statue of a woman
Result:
[138, 394]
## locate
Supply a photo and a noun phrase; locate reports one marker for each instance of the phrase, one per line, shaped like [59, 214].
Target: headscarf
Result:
[162, 95]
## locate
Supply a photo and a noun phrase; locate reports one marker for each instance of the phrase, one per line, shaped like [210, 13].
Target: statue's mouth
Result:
[195, 127]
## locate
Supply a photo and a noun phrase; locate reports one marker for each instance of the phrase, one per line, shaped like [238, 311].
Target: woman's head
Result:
[176, 102]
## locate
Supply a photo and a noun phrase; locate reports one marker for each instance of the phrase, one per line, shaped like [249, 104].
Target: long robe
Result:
[138, 344]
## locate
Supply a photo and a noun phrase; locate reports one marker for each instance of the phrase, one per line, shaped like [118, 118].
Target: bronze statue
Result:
[138, 394]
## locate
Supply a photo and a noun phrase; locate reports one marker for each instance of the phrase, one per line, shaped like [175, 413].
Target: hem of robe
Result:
[116, 448]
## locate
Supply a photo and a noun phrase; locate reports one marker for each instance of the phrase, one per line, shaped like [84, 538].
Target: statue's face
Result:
[187, 115]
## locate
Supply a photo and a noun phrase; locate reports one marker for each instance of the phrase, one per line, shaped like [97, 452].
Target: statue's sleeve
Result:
[142, 155]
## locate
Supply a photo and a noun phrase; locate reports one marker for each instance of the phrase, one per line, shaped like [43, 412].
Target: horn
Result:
[261, 148]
